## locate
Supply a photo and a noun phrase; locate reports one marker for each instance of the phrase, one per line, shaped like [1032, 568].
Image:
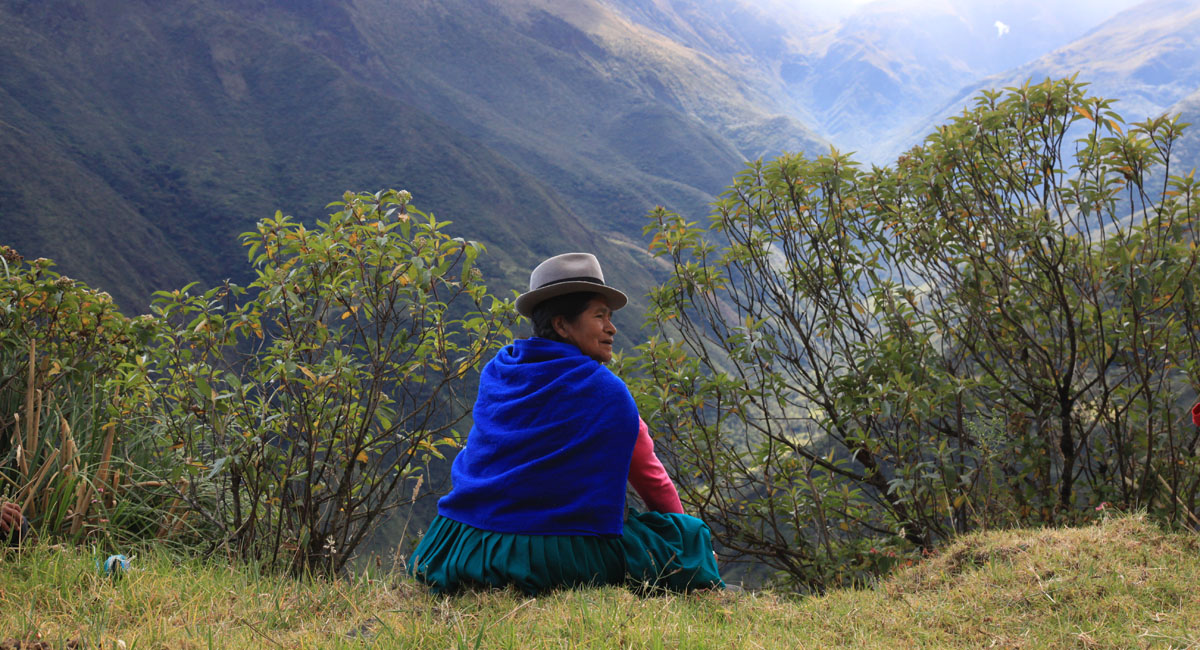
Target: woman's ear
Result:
[559, 325]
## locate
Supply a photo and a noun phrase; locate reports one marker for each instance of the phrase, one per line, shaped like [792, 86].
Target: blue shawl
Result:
[550, 448]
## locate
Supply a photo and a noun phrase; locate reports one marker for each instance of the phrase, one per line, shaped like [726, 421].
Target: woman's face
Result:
[592, 331]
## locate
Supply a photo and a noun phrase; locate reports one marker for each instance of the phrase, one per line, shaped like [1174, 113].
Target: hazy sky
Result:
[988, 36]
[1089, 12]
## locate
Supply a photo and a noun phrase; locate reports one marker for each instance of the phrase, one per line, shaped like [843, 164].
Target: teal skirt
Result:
[656, 550]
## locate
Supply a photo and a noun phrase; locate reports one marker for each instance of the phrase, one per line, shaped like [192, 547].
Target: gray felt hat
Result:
[567, 273]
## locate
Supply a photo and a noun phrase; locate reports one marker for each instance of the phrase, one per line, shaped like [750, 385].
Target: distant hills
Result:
[139, 138]
[868, 77]
[877, 77]
[1146, 57]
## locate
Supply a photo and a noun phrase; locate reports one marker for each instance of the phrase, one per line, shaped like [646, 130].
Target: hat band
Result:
[582, 278]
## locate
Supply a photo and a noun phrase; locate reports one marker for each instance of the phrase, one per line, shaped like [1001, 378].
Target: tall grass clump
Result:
[77, 446]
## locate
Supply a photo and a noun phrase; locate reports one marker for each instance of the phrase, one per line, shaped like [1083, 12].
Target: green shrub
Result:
[999, 329]
[301, 405]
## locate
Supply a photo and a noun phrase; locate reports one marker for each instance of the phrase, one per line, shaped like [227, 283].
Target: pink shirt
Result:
[648, 477]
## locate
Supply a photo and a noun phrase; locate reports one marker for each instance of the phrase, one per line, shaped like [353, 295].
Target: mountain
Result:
[1147, 57]
[619, 117]
[864, 75]
[878, 72]
[138, 138]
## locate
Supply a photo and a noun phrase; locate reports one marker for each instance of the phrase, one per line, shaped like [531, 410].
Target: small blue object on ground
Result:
[116, 565]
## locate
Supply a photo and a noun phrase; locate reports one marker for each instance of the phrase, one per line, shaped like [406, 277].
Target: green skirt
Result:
[668, 551]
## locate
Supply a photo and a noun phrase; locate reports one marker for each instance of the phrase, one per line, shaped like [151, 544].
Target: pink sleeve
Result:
[648, 476]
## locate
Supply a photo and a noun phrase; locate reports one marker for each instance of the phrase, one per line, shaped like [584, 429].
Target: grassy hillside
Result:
[1123, 583]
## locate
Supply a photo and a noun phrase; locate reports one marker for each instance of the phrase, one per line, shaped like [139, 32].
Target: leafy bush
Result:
[999, 329]
[301, 404]
[75, 448]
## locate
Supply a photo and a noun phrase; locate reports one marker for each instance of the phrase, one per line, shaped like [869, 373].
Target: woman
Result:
[539, 489]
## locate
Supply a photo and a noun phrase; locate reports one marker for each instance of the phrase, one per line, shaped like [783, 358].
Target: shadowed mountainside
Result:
[140, 138]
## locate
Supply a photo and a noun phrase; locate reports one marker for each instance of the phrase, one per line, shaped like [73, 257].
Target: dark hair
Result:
[568, 305]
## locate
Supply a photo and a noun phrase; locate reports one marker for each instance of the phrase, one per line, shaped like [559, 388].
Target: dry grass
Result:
[1123, 583]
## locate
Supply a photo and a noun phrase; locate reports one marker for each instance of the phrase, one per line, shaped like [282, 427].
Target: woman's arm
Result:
[648, 476]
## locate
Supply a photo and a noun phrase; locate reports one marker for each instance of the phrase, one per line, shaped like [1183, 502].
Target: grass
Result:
[1122, 583]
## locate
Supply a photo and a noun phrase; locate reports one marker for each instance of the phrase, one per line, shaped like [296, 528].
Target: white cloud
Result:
[1001, 28]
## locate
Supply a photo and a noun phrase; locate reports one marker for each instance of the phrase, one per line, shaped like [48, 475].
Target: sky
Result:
[987, 36]
[1089, 12]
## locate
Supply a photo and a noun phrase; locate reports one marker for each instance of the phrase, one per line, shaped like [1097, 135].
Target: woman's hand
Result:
[10, 517]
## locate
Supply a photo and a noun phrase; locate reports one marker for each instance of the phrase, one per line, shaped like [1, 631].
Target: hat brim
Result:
[530, 299]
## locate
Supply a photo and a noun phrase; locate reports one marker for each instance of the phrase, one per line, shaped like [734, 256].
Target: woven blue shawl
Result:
[549, 451]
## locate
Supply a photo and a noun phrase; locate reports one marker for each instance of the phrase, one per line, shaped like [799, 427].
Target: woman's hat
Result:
[567, 273]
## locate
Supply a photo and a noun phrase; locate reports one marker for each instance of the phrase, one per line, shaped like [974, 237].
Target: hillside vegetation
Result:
[1120, 583]
[986, 335]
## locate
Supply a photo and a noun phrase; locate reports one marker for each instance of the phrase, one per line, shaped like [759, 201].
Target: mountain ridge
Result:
[1146, 57]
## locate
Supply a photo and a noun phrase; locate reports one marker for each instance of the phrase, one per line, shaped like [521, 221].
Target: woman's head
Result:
[569, 302]
[565, 274]
[583, 319]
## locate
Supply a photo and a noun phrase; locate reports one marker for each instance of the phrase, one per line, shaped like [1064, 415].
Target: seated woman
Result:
[538, 498]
